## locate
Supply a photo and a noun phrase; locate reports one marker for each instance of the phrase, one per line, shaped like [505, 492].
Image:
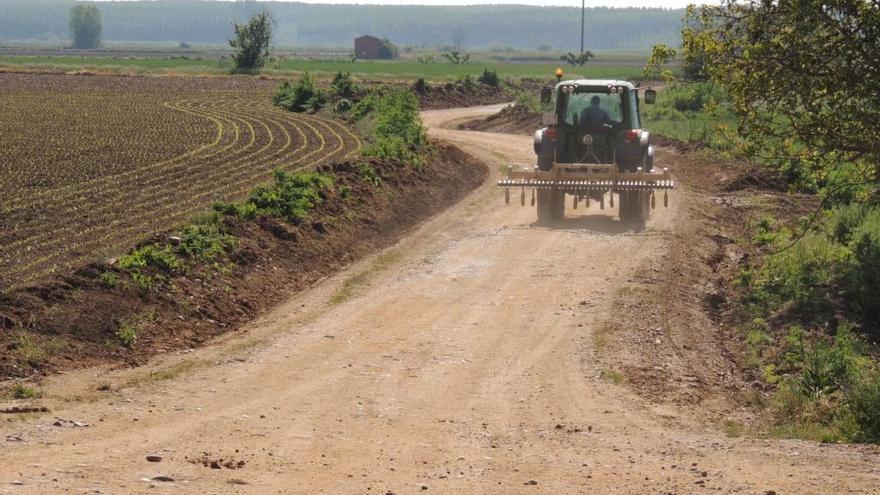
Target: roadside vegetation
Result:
[808, 298]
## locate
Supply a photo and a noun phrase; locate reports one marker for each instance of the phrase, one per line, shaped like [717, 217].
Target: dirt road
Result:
[459, 361]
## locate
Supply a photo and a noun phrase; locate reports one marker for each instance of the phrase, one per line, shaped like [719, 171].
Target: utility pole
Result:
[582, 26]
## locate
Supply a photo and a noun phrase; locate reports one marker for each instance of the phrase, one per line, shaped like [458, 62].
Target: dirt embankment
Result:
[674, 337]
[453, 95]
[74, 320]
[515, 119]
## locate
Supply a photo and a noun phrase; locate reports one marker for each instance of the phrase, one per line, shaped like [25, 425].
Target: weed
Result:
[489, 78]
[20, 391]
[343, 86]
[733, 428]
[368, 174]
[109, 279]
[128, 328]
[204, 242]
[613, 376]
[302, 96]
[151, 256]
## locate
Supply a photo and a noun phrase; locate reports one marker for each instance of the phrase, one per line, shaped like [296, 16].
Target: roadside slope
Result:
[460, 360]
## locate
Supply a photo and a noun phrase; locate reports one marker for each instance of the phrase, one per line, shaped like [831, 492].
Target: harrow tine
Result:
[522, 197]
[653, 205]
[506, 196]
[575, 205]
[533, 196]
[665, 199]
[611, 198]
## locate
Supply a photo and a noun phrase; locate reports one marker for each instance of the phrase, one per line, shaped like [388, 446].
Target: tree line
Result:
[297, 24]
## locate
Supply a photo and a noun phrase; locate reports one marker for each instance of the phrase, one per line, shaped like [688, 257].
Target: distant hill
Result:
[299, 24]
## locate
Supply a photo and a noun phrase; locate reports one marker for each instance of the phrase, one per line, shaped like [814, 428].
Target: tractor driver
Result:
[593, 117]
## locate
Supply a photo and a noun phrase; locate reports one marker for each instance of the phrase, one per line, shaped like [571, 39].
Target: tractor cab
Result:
[595, 121]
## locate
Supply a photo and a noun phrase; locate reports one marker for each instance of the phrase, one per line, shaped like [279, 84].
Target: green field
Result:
[380, 69]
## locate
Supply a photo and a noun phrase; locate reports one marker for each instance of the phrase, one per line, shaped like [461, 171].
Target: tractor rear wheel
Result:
[634, 208]
[551, 205]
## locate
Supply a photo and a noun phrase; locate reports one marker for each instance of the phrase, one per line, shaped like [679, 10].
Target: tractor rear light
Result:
[633, 135]
[551, 134]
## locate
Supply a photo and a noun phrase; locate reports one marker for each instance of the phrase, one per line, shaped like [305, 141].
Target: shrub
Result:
[301, 96]
[398, 116]
[291, 196]
[151, 256]
[364, 107]
[342, 85]
[489, 78]
[109, 280]
[204, 242]
[420, 86]
[864, 405]
[398, 133]
[342, 106]
[467, 82]
[20, 391]
[368, 173]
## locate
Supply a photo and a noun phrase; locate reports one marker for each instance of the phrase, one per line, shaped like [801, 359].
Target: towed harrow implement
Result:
[586, 181]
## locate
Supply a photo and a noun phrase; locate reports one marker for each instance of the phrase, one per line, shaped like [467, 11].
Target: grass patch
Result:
[602, 337]
[613, 376]
[174, 371]
[19, 391]
[129, 329]
[33, 350]
[733, 428]
[354, 283]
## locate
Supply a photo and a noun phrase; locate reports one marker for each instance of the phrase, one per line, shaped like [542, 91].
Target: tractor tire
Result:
[634, 208]
[551, 206]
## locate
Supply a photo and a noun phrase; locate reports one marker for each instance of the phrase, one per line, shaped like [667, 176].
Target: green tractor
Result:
[593, 146]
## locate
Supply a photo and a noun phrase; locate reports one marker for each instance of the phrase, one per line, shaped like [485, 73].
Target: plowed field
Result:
[91, 165]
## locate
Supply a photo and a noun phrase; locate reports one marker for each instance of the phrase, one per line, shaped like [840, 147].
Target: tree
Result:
[85, 26]
[456, 57]
[804, 82]
[251, 43]
[656, 67]
[387, 49]
[579, 60]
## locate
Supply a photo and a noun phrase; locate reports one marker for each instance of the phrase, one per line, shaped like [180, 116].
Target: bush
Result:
[301, 96]
[420, 86]
[151, 256]
[467, 82]
[864, 405]
[489, 78]
[20, 391]
[397, 130]
[364, 107]
[342, 85]
[342, 106]
[204, 242]
[291, 196]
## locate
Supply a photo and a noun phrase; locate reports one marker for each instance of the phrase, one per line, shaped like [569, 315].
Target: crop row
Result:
[231, 141]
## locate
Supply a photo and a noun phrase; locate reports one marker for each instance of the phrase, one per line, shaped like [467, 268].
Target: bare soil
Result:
[512, 119]
[71, 321]
[469, 357]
